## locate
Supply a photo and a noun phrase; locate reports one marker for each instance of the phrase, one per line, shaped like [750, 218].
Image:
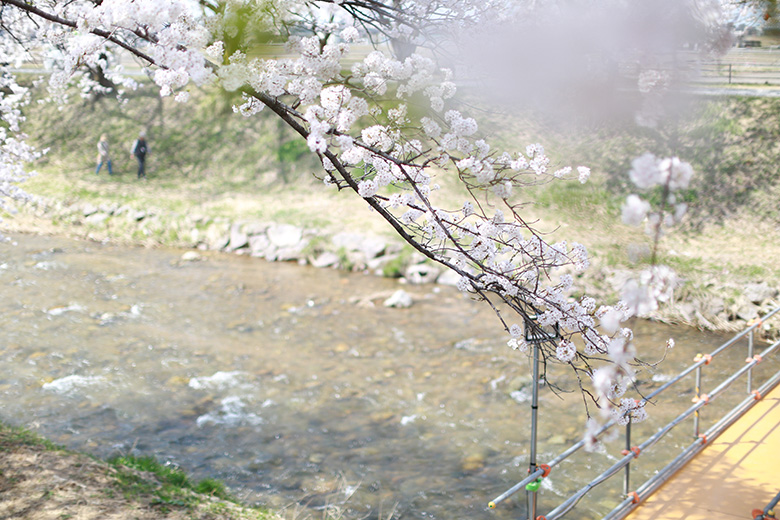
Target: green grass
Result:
[684, 264]
[170, 487]
[395, 268]
[11, 436]
[174, 482]
[755, 272]
[573, 197]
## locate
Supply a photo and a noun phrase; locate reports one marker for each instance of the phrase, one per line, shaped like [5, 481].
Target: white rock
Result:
[217, 236]
[96, 218]
[190, 256]
[399, 299]
[284, 235]
[448, 277]
[421, 273]
[238, 238]
[259, 244]
[326, 259]
[759, 292]
[369, 245]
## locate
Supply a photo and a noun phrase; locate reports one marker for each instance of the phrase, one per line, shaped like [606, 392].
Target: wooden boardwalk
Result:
[737, 473]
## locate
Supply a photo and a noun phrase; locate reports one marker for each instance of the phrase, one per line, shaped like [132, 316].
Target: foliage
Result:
[732, 143]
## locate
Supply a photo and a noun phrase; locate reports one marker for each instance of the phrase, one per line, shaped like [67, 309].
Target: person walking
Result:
[140, 149]
[103, 155]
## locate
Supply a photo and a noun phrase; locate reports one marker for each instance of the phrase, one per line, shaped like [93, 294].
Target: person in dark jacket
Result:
[139, 150]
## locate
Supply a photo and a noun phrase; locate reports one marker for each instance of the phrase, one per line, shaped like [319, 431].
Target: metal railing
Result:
[633, 498]
[768, 513]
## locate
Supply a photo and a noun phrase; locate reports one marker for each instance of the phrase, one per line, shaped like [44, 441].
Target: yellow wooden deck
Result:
[735, 474]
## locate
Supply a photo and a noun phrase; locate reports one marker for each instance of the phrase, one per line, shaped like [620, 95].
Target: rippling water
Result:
[291, 384]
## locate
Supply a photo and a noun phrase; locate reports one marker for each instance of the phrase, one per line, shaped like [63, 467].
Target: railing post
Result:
[750, 370]
[531, 495]
[698, 395]
[628, 466]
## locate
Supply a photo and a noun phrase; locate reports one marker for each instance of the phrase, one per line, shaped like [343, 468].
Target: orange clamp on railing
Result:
[756, 395]
[547, 469]
[635, 497]
[635, 450]
[755, 358]
[706, 357]
[703, 438]
[755, 321]
[702, 397]
[757, 513]
[541, 517]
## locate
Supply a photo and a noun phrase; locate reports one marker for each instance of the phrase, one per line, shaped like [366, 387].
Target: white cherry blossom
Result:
[383, 125]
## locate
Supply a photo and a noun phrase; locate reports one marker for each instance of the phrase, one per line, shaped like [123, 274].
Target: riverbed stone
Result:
[108, 208]
[448, 277]
[286, 254]
[123, 210]
[747, 312]
[96, 219]
[258, 245]
[370, 246]
[217, 236]
[238, 239]
[715, 305]
[474, 461]
[191, 256]
[399, 299]
[326, 259]
[89, 209]
[421, 273]
[759, 292]
[284, 235]
[255, 228]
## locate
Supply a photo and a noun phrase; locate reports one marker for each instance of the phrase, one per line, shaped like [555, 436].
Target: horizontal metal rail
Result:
[569, 504]
[539, 472]
[572, 501]
[652, 484]
[768, 511]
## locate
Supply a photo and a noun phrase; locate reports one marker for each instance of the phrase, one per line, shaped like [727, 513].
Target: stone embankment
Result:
[702, 303]
[271, 241]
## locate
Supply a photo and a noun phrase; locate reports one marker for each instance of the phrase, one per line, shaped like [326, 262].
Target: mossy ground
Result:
[42, 481]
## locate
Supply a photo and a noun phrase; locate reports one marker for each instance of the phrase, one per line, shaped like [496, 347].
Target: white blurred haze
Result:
[594, 58]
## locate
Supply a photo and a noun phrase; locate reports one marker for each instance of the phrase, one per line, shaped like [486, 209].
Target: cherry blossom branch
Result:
[108, 35]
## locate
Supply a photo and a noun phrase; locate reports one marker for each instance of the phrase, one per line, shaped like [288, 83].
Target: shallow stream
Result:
[293, 385]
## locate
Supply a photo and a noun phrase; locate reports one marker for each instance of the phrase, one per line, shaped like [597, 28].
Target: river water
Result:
[295, 386]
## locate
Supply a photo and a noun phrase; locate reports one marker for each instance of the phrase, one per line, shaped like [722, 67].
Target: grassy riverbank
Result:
[208, 165]
[46, 482]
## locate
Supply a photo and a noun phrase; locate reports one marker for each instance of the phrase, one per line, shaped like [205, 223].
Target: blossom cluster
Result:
[669, 175]
[386, 126]
[15, 152]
